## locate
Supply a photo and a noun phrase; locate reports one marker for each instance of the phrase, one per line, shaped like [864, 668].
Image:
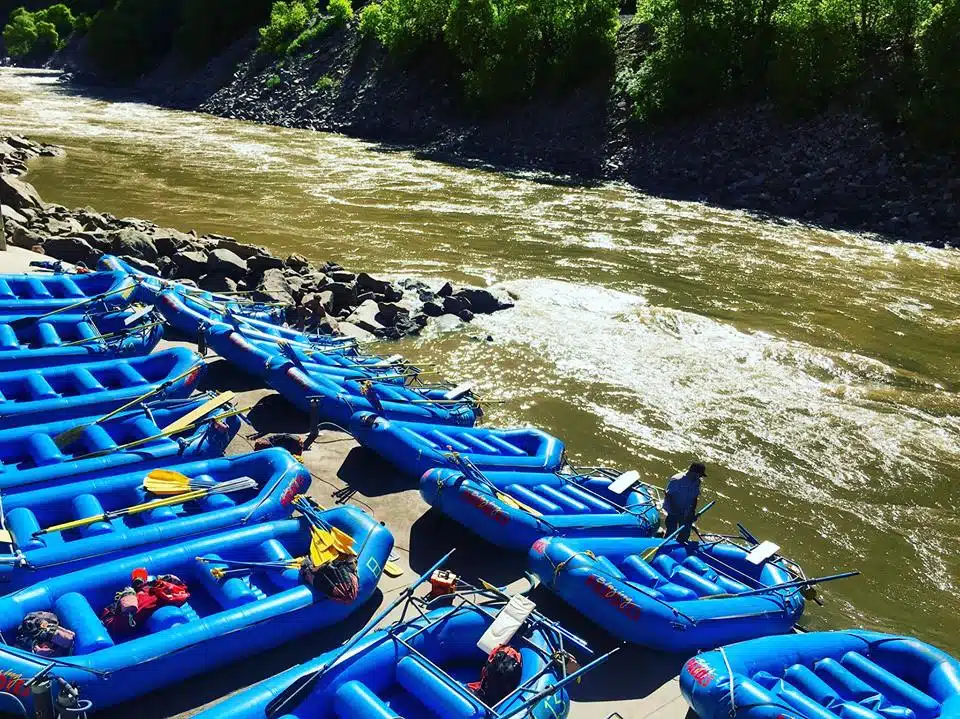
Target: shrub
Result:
[272, 82]
[287, 21]
[20, 35]
[340, 12]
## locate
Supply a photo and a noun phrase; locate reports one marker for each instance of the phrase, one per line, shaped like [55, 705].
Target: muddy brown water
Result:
[816, 373]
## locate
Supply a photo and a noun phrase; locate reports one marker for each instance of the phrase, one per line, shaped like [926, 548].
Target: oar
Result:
[653, 551]
[800, 584]
[161, 435]
[112, 335]
[21, 322]
[286, 699]
[223, 488]
[65, 439]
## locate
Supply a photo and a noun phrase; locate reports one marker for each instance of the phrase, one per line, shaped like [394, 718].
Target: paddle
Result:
[112, 335]
[648, 555]
[800, 584]
[21, 322]
[65, 439]
[286, 699]
[234, 485]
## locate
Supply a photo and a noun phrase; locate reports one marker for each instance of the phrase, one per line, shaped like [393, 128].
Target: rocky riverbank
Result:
[839, 169]
[325, 297]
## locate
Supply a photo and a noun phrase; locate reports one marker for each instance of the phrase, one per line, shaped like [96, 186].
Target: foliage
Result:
[340, 12]
[272, 82]
[287, 21]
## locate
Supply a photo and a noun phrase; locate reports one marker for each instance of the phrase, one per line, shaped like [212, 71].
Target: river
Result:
[816, 373]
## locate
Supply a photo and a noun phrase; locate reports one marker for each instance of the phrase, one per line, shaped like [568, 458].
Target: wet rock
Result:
[224, 262]
[217, 282]
[273, 287]
[142, 265]
[365, 317]
[432, 309]
[258, 264]
[134, 243]
[191, 264]
[485, 301]
[18, 194]
[73, 250]
[297, 263]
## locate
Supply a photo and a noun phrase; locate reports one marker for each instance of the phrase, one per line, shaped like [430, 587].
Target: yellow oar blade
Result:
[206, 408]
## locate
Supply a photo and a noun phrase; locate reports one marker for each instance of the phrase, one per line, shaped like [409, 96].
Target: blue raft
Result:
[35, 292]
[415, 447]
[514, 509]
[35, 557]
[661, 602]
[423, 668]
[211, 304]
[62, 392]
[224, 619]
[825, 675]
[69, 339]
[29, 456]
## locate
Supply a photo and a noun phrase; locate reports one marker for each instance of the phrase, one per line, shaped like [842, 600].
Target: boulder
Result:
[453, 304]
[191, 264]
[18, 194]
[432, 309]
[365, 317]
[485, 301]
[258, 264]
[135, 243]
[11, 215]
[297, 263]
[273, 287]
[217, 282]
[342, 276]
[224, 262]
[73, 250]
[142, 265]
[240, 249]
[446, 290]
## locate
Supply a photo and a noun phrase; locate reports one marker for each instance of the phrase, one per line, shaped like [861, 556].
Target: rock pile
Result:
[326, 297]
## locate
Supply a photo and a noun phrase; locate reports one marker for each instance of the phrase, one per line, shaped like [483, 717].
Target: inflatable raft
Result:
[415, 447]
[149, 288]
[669, 595]
[225, 618]
[428, 667]
[514, 509]
[40, 293]
[37, 554]
[142, 437]
[68, 339]
[825, 675]
[52, 393]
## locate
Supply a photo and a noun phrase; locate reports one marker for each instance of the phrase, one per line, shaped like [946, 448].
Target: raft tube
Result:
[497, 507]
[49, 394]
[33, 559]
[37, 293]
[29, 456]
[223, 621]
[68, 339]
[149, 288]
[851, 674]
[415, 447]
[382, 677]
[660, 604]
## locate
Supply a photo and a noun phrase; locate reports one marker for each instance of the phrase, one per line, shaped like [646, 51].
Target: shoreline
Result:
[325, 297]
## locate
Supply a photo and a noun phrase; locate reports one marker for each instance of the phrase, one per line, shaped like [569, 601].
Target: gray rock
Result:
[365, 317]
[18, 194]
[259, 264]
[217, 282]
[191, 264]
[485, 301]
[72, 249]
[273, 287]
[135, 243]
[224, 262]
[142, 265]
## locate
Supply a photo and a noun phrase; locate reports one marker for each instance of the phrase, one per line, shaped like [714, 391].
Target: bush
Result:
[20, 35]
[287, 21]
[340, 12]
